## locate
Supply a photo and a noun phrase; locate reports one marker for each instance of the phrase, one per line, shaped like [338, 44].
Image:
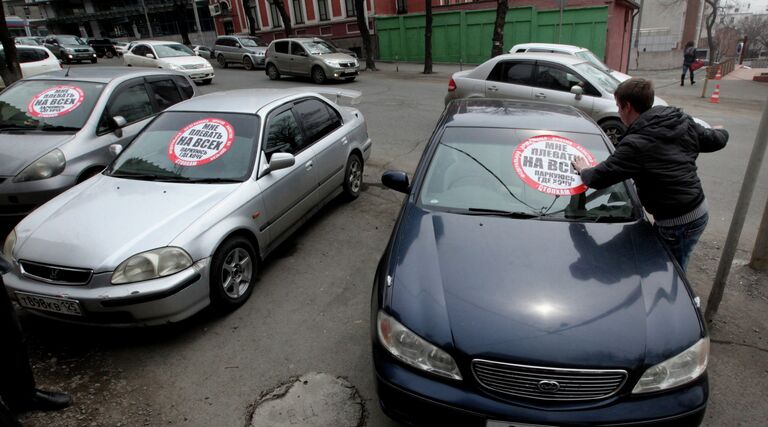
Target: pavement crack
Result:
[726, 342]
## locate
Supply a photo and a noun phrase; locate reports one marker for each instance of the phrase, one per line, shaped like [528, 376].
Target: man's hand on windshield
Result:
[580, 163]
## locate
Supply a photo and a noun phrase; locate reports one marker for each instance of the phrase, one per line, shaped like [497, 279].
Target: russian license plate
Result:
[491, 423]
[55, 305]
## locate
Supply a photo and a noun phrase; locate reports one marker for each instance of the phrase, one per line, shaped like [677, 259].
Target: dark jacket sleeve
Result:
[710, 139]
[623, 164]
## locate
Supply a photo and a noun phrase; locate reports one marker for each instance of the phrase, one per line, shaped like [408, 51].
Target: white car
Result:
[170, 56]
[566, 49]
[34, 60]
[121, 48]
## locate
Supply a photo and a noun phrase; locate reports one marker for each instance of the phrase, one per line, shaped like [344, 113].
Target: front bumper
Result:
[21, 198]
[79, 56]
[257, 60]
[342, 73]
[417, 399]
[151, 302]
[200, 74]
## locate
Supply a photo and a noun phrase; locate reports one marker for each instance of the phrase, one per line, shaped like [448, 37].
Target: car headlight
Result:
[152, 264]
[47, 166]
[175, 67]
[414, 350]
[10, 242]
[678, 370]
[332, 62]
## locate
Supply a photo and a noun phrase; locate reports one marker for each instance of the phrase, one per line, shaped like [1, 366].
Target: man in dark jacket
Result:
[689, 57]
[658, 151]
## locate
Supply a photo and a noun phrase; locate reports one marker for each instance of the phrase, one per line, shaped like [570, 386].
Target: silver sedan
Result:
[185, 215]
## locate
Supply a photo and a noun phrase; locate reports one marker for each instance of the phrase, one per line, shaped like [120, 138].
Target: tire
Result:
[613, 128]
[109, 54]
[222, 62]
[234, 268]
[353, 177]
[273, 72]
[248, 64]
[318, 75]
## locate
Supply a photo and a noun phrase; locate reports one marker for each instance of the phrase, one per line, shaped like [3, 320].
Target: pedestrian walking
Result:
[659, 151]
[689, 57]
[17, 383]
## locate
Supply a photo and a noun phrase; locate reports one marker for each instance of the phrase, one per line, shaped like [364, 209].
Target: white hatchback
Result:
[34, 60]
[170, 56]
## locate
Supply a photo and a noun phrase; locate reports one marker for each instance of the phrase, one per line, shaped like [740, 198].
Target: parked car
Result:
[567, 49]
[70, 48]
[103, 47]
[121, 47]
[223, 195]
[554, 78]
[33, 60]
[28, 41]
[203, 51]
[55, 128]
[332, 44]
[170, 56]
[242, 50]
[509, 294]
[308, 57]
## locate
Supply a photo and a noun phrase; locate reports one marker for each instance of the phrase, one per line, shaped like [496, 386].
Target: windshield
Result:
[172, 50]
[251, 42]
[25, 40]
[48, 104]
[595, 76]
[521, 172]
[592, 59]
[192, 147]
[69, 40]
[318, 47]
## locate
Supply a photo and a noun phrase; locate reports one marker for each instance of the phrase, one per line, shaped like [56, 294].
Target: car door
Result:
[299, 60]
[281, 55]
[511, 79]
[138, 56]
[553, 83]
[322, 126]
[291, 192]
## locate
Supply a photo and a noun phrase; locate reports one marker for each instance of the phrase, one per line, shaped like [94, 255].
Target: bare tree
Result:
[180, 10]
[498, 28]
[711, 18]
[428, 38]
[9, 69]
[362, 23]
[280, 6]
[755, 27]
[250, 13]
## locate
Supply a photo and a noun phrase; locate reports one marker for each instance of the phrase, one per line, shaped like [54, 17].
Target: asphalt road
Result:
[309, 311]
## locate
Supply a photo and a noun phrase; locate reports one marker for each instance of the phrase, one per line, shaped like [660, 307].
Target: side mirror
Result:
[278, 161]
[237, 45]
[115, 149]
[117, 123]
[396, 180]
[578, 91]
[150, 56]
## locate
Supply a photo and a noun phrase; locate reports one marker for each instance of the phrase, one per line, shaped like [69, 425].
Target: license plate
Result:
[55, 305]
[491, 423]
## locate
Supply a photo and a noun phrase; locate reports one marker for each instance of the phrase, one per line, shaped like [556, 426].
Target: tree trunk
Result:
[250, 13]
[428, 39]
[180, 10]
[498, 28]
[283, 16]
[711, 19]
[9, 70]
[362, 23]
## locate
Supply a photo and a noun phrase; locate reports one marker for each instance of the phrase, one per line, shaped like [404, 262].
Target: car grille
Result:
[82, 50]
[55, 274]
[347, 64]
[193, 66]
[548, 383]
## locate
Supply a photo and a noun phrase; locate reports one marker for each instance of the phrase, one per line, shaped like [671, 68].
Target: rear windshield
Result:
[48, 105]
[520, 171]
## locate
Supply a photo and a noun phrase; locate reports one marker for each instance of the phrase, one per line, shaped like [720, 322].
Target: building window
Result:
[350, 8]
[276, 23]
[322, 7]
[402, 6]
[298, 14]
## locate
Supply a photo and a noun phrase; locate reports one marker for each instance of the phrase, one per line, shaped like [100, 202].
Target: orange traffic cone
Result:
[715, 99]
[718, 76]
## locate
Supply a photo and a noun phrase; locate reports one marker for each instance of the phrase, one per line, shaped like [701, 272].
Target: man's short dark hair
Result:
[638, 92]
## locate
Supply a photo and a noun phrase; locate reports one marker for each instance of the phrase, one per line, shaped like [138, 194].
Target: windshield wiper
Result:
[499, 212]
[15, 127]
[149, 176]
[52, 128]
[213, 180]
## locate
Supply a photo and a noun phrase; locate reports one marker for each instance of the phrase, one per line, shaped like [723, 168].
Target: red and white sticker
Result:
[201, 142]
[56, 101]
[544, 163]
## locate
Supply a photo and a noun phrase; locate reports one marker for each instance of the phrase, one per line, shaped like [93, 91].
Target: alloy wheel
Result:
[236, 273]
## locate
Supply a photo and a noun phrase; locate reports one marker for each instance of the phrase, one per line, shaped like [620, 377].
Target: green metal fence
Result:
[465, 36]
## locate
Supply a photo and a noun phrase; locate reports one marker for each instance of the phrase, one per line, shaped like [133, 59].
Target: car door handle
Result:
[540, 96]
[493, 89]
[308, 165]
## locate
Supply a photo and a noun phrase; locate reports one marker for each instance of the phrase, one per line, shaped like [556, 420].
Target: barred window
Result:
[350, 8]
[322, 6]
[276, 22]
[298, 17]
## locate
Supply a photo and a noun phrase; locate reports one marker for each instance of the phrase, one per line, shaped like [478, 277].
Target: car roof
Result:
[156, 42]
[297, 39]
[235, 101]
[509, 114]
[553, 57]
[552, 46]
[102, 74]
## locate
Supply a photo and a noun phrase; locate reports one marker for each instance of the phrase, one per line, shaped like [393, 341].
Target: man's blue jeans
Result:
[682, 238]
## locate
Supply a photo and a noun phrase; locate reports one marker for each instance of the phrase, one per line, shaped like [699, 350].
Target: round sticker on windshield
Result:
[544, 163]
[56, 101]
[201, 142]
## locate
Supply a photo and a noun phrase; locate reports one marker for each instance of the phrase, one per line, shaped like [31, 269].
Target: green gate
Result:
[465, 36]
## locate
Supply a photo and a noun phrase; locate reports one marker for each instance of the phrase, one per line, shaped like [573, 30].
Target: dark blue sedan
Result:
[511, 295]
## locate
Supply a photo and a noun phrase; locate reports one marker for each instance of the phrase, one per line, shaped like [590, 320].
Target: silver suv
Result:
[246, 51]
[70, 48]
[309, 57]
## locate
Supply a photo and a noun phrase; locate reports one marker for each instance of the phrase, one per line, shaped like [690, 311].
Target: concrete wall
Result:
[655, 60]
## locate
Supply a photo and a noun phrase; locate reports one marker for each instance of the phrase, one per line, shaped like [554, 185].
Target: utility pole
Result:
[739, 216]
[197, 22]
[759, 259]
[146, 16]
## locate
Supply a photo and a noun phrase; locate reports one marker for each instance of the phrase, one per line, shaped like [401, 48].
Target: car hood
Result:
[337, 57]
[18, 150]
[185, 60]
[100, 223]
[258, 49]
[75, 46]
[547, 293]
